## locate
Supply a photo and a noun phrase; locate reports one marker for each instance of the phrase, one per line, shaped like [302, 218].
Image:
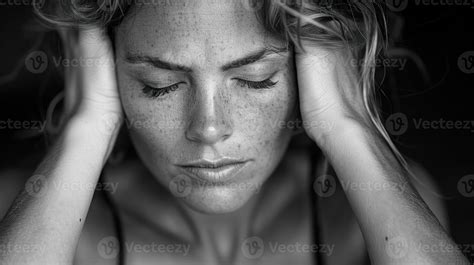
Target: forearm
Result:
[396, 223]
[48, 215]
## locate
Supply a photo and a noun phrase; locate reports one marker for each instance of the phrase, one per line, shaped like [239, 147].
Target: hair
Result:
[356, 26]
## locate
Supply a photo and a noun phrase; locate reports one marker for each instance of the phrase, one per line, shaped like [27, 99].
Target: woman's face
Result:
[201, 81]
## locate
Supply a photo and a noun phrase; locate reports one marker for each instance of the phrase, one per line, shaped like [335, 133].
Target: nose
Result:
[210, 119]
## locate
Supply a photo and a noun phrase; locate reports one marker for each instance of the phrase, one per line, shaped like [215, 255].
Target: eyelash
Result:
[267, 83]
[154, 92]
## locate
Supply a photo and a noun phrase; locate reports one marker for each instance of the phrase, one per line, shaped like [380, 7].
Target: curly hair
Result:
[356, 26]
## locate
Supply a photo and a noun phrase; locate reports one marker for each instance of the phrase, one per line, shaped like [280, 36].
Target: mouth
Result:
[219, 171]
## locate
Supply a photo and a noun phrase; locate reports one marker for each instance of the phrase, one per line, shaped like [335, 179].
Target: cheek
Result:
[155, 125]
[264, 118]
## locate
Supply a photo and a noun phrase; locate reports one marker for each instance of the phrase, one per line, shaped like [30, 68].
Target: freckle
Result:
[386, 238]
[80, 220]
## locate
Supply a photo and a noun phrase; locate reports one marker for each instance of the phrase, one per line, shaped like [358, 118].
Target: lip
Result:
[222, 170]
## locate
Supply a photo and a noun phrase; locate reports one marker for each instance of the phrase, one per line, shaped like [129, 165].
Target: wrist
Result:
[342, 133]
[97, 133]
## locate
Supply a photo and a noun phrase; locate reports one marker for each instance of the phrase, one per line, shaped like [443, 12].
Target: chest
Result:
[283, 235]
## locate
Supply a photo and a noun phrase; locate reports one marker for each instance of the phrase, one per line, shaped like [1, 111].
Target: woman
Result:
[210, 91]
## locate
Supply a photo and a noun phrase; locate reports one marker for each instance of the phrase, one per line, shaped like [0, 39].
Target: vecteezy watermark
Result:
[392, 63]
[36, 62]
[38, 185]
[466, 186]
[397, 5]
[81, 62]
[466, 62]
[109, 247]
[107, 5]
[155, 125]
[326, 126]
[254, 247]
[109, 123]
[22, 125]
[373, 186]
[398, 124]
[400, 5]
[9, 248]
[398, 247]
[38, 3]
[252, 5]
[325, 185]
[255, 5]
[182, 185]
[153, 247]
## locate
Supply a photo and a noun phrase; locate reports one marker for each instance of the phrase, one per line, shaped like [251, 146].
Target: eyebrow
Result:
[248, 59]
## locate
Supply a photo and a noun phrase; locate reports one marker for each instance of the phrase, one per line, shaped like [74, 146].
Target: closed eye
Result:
[264, 84]
[154, 92]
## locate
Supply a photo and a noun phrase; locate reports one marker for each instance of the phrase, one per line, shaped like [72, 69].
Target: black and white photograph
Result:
[237, 132]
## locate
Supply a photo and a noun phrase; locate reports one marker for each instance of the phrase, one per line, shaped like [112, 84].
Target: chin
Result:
[218, 200]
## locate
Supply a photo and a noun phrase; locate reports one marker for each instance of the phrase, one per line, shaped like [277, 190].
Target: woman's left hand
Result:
[394, 219]
[330, 98]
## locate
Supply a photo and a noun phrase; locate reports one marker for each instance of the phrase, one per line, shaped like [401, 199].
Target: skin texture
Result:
[211, 114]
[208, 115]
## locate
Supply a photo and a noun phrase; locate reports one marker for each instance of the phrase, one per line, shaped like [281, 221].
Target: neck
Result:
[222, 233]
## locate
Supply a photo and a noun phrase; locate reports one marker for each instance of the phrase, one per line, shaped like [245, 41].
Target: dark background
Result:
[438, 89]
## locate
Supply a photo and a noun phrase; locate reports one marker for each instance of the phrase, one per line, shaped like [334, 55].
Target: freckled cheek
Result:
[155, 125]
[263, 119]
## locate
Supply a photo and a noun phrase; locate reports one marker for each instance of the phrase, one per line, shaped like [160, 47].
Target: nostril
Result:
[208, 131]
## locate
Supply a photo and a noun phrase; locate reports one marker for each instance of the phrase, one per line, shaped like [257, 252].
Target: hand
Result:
[91, 93]
[329, 94]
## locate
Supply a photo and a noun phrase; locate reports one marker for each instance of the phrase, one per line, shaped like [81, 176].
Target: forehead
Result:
[216, 30]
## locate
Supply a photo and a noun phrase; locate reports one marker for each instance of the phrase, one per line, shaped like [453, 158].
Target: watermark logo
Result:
[252, 5]
[39, 3]
[325, 186]
[36, 62]
[397, 5]
[153, 247]
[23, 249]
[109, 123]
[397, 124]
[466, 62]
[181, 186]
[105, 5]
[253, 247]
[108, 247]
[396, 247]
[36, 186]
[466, 186]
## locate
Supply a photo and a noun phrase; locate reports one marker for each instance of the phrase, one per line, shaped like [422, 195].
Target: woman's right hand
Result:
[91, 93]
[51, 209]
